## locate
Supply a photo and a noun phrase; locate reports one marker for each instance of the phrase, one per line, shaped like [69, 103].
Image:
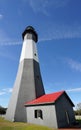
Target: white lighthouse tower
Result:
[28, 84]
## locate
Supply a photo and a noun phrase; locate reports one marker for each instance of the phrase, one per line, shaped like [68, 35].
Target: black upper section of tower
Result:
[30, 30]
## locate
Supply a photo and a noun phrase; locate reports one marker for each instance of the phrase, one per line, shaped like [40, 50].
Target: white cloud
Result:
[3, 35]
[6, 41]
[74, 90]
[1, 16]
[2, 93]
[5, 91]
[51, 32]
[10, 43]
[43, 5]
[73, 64]
[10, 90]
[7, 55]
[59, 31]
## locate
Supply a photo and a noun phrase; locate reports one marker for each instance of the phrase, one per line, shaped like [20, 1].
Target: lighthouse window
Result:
[35, 54]
[38, 114]
[38, 77]
[29, 36]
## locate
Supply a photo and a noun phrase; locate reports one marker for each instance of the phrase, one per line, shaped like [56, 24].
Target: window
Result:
[38, 114]
[38, 77]
[67, 117]
[35, 54]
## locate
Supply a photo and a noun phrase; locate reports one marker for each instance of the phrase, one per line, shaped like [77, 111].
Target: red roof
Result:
[47, 98]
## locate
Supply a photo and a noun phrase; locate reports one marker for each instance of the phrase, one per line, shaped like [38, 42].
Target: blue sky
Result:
[58, 24]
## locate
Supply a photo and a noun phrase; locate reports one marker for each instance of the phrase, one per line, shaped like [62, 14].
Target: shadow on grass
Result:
[75, 126]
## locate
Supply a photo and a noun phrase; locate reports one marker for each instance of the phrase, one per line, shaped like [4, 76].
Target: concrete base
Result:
[28, 86]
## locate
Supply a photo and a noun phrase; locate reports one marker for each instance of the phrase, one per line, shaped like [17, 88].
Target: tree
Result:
[78, 109]
[2, 110]
[79, 106]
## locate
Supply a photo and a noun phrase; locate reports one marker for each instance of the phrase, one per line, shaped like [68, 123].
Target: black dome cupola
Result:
[31, 33]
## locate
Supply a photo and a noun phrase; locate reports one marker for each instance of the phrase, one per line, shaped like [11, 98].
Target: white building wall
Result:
[29, 50]
[49, 116]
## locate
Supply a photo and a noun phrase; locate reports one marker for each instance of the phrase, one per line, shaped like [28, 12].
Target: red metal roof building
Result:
[52, 110]
[48, 98]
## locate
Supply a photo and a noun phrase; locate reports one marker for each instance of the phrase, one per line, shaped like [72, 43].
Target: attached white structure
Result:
[52, 110]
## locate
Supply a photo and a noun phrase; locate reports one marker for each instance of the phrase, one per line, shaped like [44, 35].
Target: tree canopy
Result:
[2, 110]
[78, 109]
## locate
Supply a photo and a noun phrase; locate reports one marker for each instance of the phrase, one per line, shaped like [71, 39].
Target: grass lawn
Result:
[7, 125]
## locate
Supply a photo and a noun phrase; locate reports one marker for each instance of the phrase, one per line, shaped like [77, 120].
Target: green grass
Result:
[7, 125]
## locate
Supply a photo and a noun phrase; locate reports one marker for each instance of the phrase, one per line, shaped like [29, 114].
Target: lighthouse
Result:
[28, 84]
